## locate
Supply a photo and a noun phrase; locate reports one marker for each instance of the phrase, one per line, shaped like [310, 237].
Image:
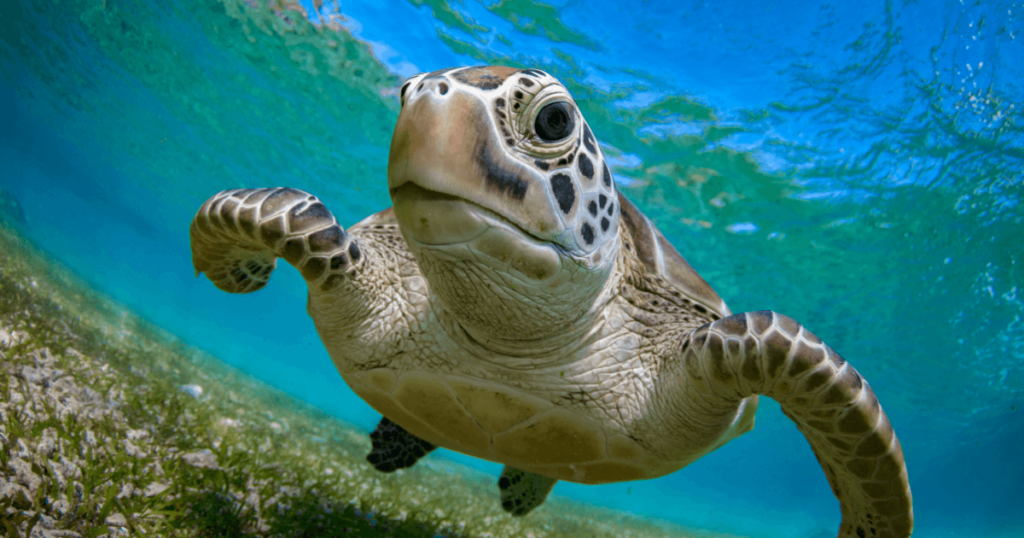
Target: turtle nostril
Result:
[443, 88]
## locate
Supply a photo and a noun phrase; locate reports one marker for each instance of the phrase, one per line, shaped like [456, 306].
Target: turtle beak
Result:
[445, 141]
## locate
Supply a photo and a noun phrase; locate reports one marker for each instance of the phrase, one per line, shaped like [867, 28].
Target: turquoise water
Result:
[857, 167]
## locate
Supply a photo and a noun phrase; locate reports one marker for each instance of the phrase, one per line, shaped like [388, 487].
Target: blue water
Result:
[859, 167]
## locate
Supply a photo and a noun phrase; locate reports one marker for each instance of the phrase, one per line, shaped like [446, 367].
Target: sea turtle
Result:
[513, 306]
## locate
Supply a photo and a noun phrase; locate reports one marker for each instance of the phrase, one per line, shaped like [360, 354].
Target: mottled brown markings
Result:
[751, 367]
[760, 321]
[228, 207]
[877, 490]
[821, 425]
[811, 357]
[889, 506]
[256, 196]
[801, 401]
[213, 212]
[835, 357]
[719, 369]
[829, 414]
[326, 240]
[875, 445]
[734, 347]
[247, 220]
[332, 282]
[699, 337]
[889, 466]
[313, 268]
[202, 222]
[839, 443]
[775, 347]
[733, 325]
[788, 325]
[856, 421]
[272, 230]
[280, 199]
[849, 380]
[303, 219]
[815, 380]
[294, 249]
[861, 467]
[353, 252]
[832, 396]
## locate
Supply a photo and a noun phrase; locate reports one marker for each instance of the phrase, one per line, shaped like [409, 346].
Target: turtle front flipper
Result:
[394, 448]
[238, 235]
[522, 491]
[832, 405]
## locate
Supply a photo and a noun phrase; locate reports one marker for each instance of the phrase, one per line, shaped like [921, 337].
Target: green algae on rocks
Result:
[110, 427]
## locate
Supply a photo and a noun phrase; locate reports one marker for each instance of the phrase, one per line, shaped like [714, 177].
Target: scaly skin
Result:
[832, 405]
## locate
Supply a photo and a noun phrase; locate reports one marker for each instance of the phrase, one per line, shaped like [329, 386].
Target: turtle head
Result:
[504, 196]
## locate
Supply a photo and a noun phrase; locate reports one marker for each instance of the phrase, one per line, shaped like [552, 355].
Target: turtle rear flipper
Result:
[522, 491]
[394, 448]
[832, 405]
[238, 235]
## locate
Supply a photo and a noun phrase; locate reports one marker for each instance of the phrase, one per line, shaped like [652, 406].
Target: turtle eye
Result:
[554, 122]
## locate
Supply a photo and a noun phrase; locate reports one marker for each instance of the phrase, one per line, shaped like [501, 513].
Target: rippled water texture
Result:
[859, 167]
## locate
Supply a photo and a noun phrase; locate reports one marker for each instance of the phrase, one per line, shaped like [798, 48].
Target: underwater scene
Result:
[857, 167]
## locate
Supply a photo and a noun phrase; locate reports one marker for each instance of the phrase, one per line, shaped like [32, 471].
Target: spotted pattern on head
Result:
[534, 137]
[571, 164]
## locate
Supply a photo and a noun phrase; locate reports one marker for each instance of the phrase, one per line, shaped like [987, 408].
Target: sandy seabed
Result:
[109, 426]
